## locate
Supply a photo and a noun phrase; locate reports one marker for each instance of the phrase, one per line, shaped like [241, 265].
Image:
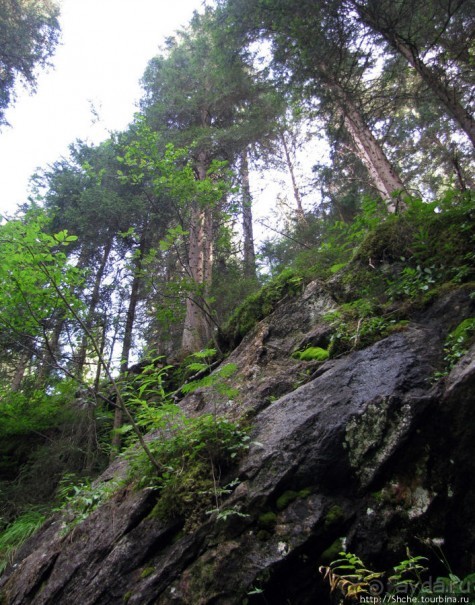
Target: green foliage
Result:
[80, 497]
[36, 280]
[170, 173]
[13, 536]
[358, 324]
[412, 282]
[30, 33]
[350, 579]
[349, 576]
[458, 342]
[195, 455]
[23, 412]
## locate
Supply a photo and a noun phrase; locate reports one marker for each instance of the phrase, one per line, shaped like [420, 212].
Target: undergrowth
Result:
[196, 456]
[15, 534]
[380, 268]
[351, 581]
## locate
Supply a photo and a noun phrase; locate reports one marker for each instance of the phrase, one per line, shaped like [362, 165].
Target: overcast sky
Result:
[105, 47]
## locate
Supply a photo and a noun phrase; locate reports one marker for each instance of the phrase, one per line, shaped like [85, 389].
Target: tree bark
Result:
[20, 371]
[295, 189]
[197, 327]
[382, 174]
[128, 337]
[249, 256]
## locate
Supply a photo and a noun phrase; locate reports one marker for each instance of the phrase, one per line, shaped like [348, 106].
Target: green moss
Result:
[312, 354]
[385, 243]
[334, 515]
[464, 330]
[127, 596]
[263, 535]
[258, 305]
[290, 495]
[286, 498]
[331, 553]
[201, 577]
[267, 519]
[148, 571]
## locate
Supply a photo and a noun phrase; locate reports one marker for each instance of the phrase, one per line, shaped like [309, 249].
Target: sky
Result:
[105, 47]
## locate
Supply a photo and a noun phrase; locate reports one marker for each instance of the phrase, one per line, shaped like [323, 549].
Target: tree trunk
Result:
[128, 340]
[383, 176]
[20, 371]
[197, 327]
[249, 257]
[51, 351]
[80, 357]
[448, 96]
[295, 189]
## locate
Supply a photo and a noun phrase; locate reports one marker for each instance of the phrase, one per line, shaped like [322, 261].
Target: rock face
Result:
[368, 449]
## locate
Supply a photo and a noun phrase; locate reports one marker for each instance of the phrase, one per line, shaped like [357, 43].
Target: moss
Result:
[286, 498]
[257, 306]
[290, 495]
[127, 596]
[201, 578]
[334, 515]
[331, 553]
[263, 535]
[312, 354]
[147, 571]
[385, 243]
[267, 519]
[464, 330]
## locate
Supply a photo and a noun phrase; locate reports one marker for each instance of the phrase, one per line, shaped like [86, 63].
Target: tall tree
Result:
[313, 51]
[29, 31]
[202, 95]
[249, 254]
[414, 29]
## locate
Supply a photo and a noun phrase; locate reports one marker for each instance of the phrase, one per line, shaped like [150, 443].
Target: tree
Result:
[414, 29]
[29, 31]
[201, 95]
[170, 174]
[34, 277]
[314, 53]
[249, 256]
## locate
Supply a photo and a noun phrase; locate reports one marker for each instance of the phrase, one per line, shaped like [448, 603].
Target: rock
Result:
[368, 451]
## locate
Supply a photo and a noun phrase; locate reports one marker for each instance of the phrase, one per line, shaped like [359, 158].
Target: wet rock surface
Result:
[369, 449]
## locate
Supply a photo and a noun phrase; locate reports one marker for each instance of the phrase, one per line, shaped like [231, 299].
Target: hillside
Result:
[370, 448]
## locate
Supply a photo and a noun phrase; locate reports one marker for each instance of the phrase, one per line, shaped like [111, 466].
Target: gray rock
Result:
[367, 449]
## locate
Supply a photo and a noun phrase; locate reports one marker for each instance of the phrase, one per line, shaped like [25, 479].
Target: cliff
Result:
[366, 450]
